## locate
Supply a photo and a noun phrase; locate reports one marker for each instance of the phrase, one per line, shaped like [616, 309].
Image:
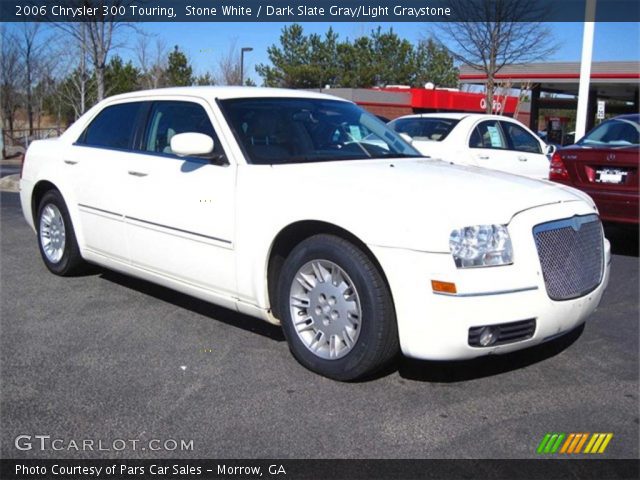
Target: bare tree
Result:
[495, 34]
[98, 33]
[78, 82]
[152, 60]
[229, 66]
[32, 48]
[10, 77]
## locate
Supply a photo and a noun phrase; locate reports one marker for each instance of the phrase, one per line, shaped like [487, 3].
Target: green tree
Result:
[301, 61]
[393, 58]
[378, 59]
[179, 71]
[121, 77]
[205, 79]
[434, 64]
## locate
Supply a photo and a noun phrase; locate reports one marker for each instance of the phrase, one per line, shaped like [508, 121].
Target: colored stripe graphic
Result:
[550, 443]
[573, 443]
[543, 443]
[582, 440]
[567, 442]
[598, 442]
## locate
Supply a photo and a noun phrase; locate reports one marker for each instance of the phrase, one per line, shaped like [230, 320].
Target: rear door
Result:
[489, 148]
[97, 165]
[527, 150]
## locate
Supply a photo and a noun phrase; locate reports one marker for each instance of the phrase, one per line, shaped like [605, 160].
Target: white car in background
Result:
[489, 141]
[304, 210]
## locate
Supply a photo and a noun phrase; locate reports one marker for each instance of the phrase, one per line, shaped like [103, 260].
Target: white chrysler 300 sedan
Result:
[302, 209]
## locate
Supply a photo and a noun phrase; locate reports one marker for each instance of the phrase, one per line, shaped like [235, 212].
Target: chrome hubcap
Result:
[325, 309]
[52, 233]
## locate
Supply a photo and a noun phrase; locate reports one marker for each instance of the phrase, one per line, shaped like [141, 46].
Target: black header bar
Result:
[313, 10]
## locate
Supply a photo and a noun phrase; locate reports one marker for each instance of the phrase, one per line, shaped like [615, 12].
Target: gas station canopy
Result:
[609, 81]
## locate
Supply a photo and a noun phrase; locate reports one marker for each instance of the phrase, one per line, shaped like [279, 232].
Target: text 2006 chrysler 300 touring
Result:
[304, 210]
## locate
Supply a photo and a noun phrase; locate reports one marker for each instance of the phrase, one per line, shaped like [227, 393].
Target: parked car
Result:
[489, 141]
[604, 164]
[304, 210]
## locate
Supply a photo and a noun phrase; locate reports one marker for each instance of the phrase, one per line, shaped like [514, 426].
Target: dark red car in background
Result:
[604, 164]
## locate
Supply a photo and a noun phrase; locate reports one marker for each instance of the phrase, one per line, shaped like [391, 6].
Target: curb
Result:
[10, 183]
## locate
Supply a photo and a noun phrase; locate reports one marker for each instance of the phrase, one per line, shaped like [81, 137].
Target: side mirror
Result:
[191, 144]
[406, 137]
[551, 149]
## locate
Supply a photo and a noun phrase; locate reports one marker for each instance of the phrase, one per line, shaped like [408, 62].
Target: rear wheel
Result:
[336, 309]
[56, 238]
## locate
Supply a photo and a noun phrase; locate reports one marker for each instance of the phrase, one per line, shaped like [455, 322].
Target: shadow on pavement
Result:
[420, 370]
[451, 372]
[623, 238]
[195, 305]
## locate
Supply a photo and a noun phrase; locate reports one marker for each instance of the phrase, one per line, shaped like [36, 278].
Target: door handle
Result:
[522, 159]
[70, 162]
[483, 157]
[137, 174]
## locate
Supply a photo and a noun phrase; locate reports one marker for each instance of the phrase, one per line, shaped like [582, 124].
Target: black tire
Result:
[377, 342]
[71, 261]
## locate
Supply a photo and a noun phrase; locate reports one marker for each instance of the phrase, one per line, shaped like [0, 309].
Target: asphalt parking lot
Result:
[104, 356]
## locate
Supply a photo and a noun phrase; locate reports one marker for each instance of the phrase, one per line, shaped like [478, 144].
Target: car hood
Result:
[403, 202]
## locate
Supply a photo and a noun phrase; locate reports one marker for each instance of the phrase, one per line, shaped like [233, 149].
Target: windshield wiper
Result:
[402, 155]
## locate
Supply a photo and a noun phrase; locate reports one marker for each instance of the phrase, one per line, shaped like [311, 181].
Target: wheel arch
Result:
[290, 236]
[39, 189]
[43, 186]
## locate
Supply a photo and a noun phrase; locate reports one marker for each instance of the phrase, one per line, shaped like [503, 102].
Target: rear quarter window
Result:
[113, 127]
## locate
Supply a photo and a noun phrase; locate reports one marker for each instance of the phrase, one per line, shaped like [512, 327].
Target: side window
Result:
[113, 127]
[171, 118]
[521, 140]
[488, 134]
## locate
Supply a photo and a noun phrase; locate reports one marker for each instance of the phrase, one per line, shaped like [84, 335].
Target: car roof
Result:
[634, 117]
[225, 92]
[458, 116]
[455, 116]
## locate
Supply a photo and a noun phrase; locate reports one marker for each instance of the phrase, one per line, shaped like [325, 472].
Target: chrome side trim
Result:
[484, 294]
[221, 240]
[179, 230]
[100, 210]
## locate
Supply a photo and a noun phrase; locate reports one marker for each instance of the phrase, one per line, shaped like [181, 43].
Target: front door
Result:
[180, 213]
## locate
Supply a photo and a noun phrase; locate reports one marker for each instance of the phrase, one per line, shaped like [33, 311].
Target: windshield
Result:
[296, 130]
[430, 129]
[617, 132]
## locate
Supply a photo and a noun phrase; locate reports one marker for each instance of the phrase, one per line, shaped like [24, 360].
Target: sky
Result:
[205, 42]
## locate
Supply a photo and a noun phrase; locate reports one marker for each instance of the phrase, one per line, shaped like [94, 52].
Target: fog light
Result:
[488, 336]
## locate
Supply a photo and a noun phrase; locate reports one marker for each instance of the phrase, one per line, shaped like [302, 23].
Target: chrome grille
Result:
[571, 253]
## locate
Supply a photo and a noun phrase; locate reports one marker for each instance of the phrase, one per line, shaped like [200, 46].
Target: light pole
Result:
[242, 50]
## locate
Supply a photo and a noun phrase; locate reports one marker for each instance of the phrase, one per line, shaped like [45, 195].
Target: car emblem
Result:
[611, 157]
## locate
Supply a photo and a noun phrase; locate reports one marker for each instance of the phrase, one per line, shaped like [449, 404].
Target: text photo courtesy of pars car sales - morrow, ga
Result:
[319, 240]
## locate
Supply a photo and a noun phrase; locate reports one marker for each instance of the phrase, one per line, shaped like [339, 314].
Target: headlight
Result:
[481, 246]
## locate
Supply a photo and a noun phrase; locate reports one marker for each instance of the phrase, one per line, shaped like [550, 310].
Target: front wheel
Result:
[336, 309]
[56, 238]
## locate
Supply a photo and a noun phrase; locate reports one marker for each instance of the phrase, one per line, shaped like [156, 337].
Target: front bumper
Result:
[436, 327]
